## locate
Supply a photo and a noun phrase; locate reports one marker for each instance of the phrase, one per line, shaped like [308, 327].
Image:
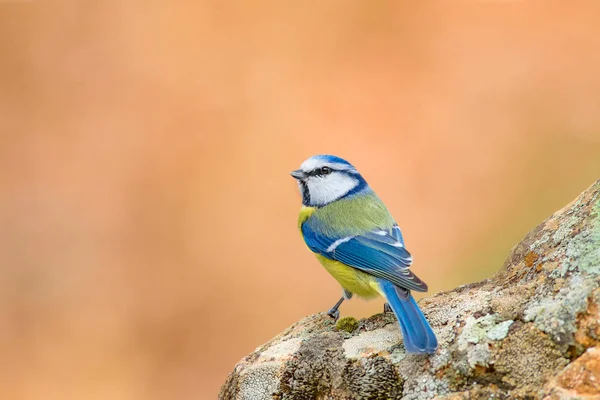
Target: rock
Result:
[581, 379]
[530, 332]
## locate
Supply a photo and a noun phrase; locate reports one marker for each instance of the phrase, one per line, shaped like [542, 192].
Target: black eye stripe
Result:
[320, 171]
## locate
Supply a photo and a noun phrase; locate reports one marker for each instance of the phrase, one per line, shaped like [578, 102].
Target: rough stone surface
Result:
[581, 379]
[530, 332]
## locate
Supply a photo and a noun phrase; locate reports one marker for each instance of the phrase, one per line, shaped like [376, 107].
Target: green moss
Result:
[347, 324]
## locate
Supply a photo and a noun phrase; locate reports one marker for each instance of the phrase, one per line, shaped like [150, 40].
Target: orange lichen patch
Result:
[480, 370]
[530, 259]
[539, 267]
[582, 377]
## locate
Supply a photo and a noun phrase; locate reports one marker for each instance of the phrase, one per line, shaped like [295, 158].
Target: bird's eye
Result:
[325, 170]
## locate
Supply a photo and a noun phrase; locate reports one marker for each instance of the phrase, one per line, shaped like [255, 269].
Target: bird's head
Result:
[324, 179]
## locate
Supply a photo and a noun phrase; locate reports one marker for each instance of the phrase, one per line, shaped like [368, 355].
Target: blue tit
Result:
[358, 242]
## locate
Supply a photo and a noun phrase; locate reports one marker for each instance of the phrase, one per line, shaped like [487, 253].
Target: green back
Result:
[352, 216]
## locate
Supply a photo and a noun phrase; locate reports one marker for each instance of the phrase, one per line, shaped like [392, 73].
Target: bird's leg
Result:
[387, 307]
[334, 312]
[347, 294]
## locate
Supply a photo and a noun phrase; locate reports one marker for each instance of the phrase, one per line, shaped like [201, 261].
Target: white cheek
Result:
[329, 188]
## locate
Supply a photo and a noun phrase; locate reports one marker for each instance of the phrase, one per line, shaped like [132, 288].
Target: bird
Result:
[356, 239]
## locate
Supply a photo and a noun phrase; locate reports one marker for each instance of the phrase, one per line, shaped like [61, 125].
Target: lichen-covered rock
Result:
[530, 332]
[581, 379]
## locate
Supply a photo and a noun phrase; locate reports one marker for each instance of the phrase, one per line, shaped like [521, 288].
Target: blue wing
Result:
[379, 253]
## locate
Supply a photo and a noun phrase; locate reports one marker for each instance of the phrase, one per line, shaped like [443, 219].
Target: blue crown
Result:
[332, 159]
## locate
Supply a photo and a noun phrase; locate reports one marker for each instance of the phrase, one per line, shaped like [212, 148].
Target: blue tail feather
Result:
[418, 335]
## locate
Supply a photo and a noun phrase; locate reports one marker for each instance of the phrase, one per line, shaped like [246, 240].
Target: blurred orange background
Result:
[148, 234]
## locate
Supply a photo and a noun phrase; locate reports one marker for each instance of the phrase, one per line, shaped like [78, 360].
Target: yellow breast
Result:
[305, 213]
[351, 279]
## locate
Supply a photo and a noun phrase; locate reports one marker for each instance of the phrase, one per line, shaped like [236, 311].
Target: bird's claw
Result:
[335, 314]
[387, 307]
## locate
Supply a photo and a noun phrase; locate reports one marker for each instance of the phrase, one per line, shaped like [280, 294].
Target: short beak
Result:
[298, 174]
